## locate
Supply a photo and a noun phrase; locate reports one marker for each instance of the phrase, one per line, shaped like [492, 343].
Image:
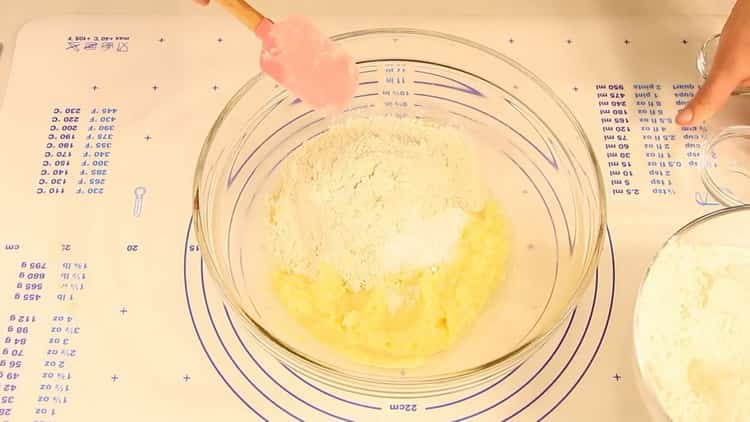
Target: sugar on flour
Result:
[374, 196]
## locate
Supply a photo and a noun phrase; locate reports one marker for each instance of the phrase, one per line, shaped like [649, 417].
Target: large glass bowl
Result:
[537, 161]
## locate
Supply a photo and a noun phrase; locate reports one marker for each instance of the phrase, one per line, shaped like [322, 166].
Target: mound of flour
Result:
[693, 332]
[374, 196]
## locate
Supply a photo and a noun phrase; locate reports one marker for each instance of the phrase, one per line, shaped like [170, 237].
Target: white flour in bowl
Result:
[693, 332]
[375, 196]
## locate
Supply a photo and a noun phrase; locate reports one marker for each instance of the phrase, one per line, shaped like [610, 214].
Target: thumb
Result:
[709, 99]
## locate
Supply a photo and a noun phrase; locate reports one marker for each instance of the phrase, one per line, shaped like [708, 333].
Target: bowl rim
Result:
[644, 380]
[344, 379]
[726, 197]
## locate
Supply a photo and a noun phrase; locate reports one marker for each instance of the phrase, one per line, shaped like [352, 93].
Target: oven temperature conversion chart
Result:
[106, 312]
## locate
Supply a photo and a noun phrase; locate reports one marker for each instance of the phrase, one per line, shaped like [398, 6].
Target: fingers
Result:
[710, 98]
[730, 68]
[202, 2]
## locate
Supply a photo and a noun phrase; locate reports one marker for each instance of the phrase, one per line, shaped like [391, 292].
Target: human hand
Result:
[730, 68]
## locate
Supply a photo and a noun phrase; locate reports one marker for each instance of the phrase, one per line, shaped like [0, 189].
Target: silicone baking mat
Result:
[106, 312]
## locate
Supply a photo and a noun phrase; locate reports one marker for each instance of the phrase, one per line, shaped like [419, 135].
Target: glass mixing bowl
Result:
[725, 227]
[537, 161]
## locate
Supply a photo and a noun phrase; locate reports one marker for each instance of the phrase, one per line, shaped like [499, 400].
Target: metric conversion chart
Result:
[107, 311]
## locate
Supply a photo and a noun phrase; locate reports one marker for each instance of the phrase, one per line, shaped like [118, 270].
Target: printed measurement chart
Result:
[107, 312]
[61, 160]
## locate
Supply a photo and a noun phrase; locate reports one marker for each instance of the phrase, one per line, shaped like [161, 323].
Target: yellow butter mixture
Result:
[411, 315]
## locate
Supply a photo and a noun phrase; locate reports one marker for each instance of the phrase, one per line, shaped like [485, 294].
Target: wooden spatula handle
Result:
[244, 12]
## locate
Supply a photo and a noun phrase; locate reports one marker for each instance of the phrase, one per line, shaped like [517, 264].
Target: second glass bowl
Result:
[728, 227]
[537, 160]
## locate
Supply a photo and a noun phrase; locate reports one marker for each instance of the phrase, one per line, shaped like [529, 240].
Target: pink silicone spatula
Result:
[301, 58]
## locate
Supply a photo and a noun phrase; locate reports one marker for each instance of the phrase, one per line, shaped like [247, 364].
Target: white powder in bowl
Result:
[423, 243]
[374, 196]
[693, 332]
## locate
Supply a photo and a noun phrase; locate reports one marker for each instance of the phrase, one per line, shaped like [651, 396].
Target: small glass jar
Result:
[726, 154]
